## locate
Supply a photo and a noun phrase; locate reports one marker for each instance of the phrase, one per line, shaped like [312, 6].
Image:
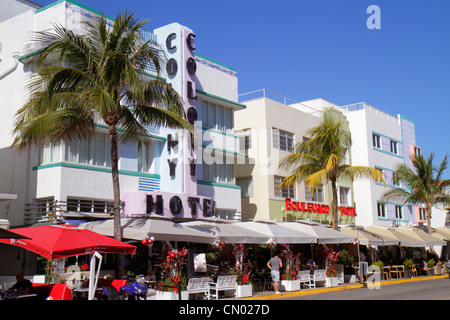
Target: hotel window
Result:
[245, 139]
[344, 196]
[215, 116]
[219, 169]
[395, 181]
[317, 195]
[101, 155]
[96, 151]
[246, 185]
[394, 147]
[376, 140]
[381, 210]
[78, 151]
[144, 157]
[282, 140]
[398, 212]
[284, 192]
[417, 151]
[49, 153]
[422, 214]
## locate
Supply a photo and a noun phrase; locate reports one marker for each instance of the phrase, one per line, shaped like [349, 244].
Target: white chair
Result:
[304, 277]
[318, 276]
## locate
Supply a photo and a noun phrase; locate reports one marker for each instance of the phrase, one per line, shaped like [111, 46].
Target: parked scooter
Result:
[131, 291]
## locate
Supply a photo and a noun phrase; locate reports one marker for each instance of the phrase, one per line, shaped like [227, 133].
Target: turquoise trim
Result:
[104, 126]
[220, 98]
[218, 131]
[93, 168]
[389, 153]
[383, 135]
[213, 61]
[216, 184]
[226, 151]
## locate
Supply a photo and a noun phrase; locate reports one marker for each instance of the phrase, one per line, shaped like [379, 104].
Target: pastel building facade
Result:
[384, 141]
[268, 128]
[169, 176]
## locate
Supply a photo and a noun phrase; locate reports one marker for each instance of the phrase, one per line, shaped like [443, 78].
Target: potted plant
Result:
[378, 264]
[288, 279]
[331, 271]
[430, 264]
[408, 264]
[349, 271]
[172, 276]
[243, 271]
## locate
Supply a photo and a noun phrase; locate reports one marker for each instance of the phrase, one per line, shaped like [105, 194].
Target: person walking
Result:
[274, 265]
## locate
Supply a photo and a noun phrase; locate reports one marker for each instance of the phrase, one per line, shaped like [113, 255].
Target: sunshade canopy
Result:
[324, 235]
[60, 241]
[5, 234]
[159, 228]
[406, 237]
[229, 232]
[366, 237]
[278, 231]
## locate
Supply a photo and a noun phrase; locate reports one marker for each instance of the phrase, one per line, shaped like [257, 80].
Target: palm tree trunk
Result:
[334, 206]
[116, 189]
[428, 209]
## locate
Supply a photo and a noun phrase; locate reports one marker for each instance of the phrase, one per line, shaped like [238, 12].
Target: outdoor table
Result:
[19, 296]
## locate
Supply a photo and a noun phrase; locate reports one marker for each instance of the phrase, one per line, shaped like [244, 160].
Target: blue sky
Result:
[306, 49]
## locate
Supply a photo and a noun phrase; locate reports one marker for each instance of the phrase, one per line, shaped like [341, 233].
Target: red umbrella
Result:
[60, 241]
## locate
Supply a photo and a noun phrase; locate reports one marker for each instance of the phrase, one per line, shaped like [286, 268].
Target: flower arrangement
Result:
[289, 275]
[331, 258]
[291, 261]
[242, 269]
[172, 270]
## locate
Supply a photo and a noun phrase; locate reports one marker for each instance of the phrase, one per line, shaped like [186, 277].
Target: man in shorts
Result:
[274, 265]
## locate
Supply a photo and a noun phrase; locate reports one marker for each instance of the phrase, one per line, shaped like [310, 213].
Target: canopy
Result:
[428, 239]
[229, 232]
[5, 234]
[279, 231]
[366, 237]
[161, 229]
[324, 235]
[441, 233]
[406, 237]
[59, 241]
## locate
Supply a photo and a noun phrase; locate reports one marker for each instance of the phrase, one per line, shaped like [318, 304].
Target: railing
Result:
[53, 210]
[363, 106]
[264, 93]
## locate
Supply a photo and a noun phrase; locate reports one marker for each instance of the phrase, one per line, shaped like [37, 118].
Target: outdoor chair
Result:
[318, 276]
[224, 283]
[414, 270]
[199, 285]
[304, 277]
[387, 272]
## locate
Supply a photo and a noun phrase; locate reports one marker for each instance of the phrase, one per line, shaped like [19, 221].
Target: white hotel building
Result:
[72, 180]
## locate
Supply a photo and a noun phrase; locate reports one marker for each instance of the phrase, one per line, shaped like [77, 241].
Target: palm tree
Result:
[321, 159]
[422, 185]
[98, 76]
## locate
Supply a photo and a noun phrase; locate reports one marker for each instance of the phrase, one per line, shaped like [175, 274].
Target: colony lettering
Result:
[316, 208]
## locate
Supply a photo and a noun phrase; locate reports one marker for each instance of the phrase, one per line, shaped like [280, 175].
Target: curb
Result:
[335, 289]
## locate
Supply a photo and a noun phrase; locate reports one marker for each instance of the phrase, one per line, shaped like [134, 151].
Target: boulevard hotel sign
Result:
[316, 208]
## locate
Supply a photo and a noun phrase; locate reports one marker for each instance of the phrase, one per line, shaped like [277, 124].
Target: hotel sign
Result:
[173, 205]
[316, 208]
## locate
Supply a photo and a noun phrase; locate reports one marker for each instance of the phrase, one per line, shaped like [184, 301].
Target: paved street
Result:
[436, 289]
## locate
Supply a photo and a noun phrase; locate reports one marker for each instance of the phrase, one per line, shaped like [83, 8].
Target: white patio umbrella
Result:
[160, 229]
[279, 233]
[228, 232]
[324, 235]
[407, 238]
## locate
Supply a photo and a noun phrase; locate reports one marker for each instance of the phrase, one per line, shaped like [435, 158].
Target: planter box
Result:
[245, 290]
[164, 295]
[331, 282]
[290, 285]
[408, 273]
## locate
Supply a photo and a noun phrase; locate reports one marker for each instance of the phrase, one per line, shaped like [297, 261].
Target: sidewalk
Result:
[270, 295]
